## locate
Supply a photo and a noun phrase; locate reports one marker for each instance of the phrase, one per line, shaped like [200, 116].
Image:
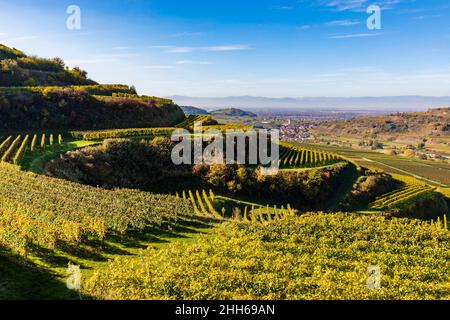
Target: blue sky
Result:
[285, 48]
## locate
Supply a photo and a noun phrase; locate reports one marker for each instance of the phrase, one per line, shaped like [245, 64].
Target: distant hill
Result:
[233, 112]
[18, 69]
[188, 110]
[434, 122]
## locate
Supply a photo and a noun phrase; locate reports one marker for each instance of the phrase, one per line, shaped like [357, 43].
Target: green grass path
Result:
[36, 161]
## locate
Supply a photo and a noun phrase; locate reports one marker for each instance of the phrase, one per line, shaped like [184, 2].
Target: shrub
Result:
[118, 163]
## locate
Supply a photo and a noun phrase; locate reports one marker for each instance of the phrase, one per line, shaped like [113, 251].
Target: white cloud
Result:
[283, 8]
[235, 47]
[121, 48]
[304, 27]
[101, 58]
[334, 23]
[355, 35]
[180, 49]
[343, 5]
[221, 48]
[78, 62]
[342, 23]
[192, 62]
[19, 39]
[427, 17]
[159, 67]
[357, 5]
[187, 34]
[159, 47]
[173, 49]
[118, 55]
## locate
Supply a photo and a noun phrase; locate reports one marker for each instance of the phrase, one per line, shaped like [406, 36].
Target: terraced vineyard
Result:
[229, 126]
[38, 210]
[314, 256]
[12, 149]
[121, 133]
[202, 201]
[189, 122]
[305, 157]
[208, 204]
[42, 213]
[403, 197]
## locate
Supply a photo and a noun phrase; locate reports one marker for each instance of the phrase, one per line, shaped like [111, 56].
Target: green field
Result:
[434, 173]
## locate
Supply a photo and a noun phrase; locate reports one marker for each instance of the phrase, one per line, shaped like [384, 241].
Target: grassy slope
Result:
[36, 161]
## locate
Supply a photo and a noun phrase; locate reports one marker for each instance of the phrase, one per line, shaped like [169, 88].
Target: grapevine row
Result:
[204, 204]
[402, 197]
[121, 133]
[292, 156]
[14, 151]
[189, 122]
[41, 210]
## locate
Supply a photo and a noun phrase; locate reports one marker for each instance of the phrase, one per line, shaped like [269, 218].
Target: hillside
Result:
[188, 110]
[76, 108]
[233, 112]
[43, 94]
[18, 69]
[434, 122]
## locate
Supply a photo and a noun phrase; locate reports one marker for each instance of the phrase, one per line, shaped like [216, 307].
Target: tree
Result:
[59, 62]
[79, 73]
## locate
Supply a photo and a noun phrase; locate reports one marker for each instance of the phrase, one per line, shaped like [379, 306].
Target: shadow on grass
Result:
[347, 180]
[23, 280]
[94, 250]
[164, 233]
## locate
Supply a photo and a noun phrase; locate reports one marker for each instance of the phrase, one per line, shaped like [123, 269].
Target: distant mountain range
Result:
[263, 104]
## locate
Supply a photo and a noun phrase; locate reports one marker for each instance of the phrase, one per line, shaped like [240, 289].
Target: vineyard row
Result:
[13, 149]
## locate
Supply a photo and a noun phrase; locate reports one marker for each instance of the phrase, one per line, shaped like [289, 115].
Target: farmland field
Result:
[437, 173]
